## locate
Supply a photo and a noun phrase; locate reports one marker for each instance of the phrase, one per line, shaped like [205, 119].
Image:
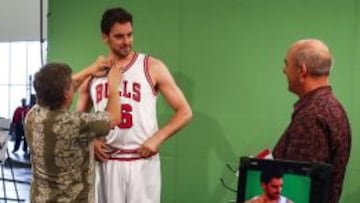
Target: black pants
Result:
[19, 134]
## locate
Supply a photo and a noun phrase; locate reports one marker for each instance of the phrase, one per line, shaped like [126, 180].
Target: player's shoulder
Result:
[157, 69]
[289, 201]
[285, 200]
[255, 199]
[155, 62]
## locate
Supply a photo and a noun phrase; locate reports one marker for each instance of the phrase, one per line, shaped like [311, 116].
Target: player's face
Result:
[120, 39]
[291, 70]
[273, 188]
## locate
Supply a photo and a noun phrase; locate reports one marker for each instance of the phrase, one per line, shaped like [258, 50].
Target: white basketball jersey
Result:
[138, 102]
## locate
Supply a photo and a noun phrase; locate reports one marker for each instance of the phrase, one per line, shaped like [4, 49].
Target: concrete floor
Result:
[15, 177]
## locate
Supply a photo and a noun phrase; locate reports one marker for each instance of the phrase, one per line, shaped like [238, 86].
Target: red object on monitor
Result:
[264, 154]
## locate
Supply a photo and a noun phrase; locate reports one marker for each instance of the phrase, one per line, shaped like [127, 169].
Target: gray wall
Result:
[20, 20]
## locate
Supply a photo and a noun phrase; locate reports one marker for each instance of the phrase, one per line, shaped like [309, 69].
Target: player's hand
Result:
[115, 75]
[99, 65]
[149, 148]
[100, 150]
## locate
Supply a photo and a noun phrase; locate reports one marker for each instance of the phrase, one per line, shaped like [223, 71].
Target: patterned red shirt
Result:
[319, 132]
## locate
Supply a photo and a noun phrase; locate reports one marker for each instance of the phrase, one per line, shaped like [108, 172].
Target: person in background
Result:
[60, 140]
[17, 125]
[319, 130]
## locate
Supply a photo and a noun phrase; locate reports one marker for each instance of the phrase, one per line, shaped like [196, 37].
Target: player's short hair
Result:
[270, 173]
[112, 16]
[50, 83]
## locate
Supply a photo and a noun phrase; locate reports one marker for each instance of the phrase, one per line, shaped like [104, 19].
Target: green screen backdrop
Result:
[227, 57]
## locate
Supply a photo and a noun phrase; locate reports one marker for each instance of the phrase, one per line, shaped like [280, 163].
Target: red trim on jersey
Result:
[131, 62]
[127, 152]
[129, 159]
[147, 75]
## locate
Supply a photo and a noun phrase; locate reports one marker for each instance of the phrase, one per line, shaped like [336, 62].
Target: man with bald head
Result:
[319, 130]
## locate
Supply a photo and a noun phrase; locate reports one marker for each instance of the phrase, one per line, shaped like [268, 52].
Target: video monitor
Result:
[302, 182]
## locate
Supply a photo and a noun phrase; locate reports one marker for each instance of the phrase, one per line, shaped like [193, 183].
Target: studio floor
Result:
[15, 176]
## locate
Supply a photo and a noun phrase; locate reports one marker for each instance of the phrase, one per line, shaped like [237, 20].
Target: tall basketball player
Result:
[129, 171]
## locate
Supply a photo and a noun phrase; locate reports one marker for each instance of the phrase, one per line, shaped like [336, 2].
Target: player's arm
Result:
[84, 103]
[97, 66]
[114, 78]
[175, 98]
[113, 107]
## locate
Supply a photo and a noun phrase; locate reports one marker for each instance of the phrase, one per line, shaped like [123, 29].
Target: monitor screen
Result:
[301, 182]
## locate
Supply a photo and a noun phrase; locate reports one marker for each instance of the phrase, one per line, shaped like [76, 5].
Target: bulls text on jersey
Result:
[128, 90]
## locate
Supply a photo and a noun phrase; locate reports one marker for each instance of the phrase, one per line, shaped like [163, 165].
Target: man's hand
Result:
[95, 68]
[115, 76]
[149, 148]
[101, 149]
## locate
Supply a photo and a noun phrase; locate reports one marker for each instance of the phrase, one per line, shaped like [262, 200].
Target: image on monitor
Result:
[288, 181]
